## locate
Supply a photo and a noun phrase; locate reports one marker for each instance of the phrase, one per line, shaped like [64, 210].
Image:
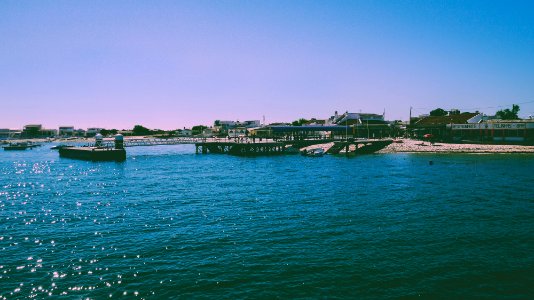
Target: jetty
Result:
[93, 153]
[241, 148]
[360, 146]
[114, 150]
[134, 142]
[97, 152]
[247, 148]
[20, 146]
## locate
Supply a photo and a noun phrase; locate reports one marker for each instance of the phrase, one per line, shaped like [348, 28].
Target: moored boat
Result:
[315, 152]
[17, 146]
[56, 147]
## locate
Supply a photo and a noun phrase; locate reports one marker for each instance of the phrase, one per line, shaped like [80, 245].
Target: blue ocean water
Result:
[171, 224]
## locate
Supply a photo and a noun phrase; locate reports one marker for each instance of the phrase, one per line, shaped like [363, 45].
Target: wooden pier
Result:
[159, 141]
[281, 147]
[256, 147]
[360, 146]
[242, 149]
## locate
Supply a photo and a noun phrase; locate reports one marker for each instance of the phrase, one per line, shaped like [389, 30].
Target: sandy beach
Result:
[416, 146]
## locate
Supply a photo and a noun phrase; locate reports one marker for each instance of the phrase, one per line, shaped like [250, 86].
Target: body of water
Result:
[167, 223]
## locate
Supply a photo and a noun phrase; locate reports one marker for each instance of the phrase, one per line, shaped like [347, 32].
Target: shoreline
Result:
[398, 146]
[417, 146]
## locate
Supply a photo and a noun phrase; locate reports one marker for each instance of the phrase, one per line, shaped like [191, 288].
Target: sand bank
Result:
[416, 146]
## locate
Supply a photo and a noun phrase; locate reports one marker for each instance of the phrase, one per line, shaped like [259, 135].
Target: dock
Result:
[114, 150]
[93, 153]
[242, 149]
[248, 148]
[97, 152]
[360, 146]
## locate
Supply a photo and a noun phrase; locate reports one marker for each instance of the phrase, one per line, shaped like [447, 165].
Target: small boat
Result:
[315, 152]
[16, 146]
[60, 146]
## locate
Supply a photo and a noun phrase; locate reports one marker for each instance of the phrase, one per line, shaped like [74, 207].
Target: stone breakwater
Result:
[407, 145]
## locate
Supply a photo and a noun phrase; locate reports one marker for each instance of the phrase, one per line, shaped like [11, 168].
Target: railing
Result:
[183, 140]
[194, 140]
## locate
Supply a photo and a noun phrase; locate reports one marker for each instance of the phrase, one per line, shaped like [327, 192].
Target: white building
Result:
[237, 132]
[184, 132]
[355, 118]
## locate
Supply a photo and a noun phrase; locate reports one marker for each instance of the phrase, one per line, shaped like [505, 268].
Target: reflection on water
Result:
[169, 223]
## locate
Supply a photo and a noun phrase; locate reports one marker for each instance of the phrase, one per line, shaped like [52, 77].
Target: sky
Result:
[175, 64]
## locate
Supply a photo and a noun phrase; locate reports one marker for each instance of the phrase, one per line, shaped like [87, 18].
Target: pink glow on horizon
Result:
[172, 65]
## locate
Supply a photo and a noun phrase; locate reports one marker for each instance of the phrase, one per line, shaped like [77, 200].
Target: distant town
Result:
[439, 125]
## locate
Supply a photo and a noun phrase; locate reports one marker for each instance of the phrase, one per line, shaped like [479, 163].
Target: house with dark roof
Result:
[439, 126]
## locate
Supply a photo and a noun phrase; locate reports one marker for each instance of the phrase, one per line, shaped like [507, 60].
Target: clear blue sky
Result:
[170, 64]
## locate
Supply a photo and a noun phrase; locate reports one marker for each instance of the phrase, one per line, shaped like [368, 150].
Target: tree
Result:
[140, 130]
[438, 112]
[198, 129]
[299, 122]
[508, 114]
[106, 132]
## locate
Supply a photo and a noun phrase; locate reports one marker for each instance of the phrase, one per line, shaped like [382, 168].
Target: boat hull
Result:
[93, 154]
[10, 148]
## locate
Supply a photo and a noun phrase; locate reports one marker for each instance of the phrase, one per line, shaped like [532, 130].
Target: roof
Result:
[352, 118]
[444, 120]
[309, 128]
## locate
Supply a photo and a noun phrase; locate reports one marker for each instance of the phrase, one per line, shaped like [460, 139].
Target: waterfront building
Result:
[80, 132]
[362, 125]
[66, 130]
[6, 133]
[437, 126]
[347, 125]
[222, 128]
[37, 131]
[494, 131]
[209, 132]
[92, 131]
[237, 132]
[32, 130]
[184, 132]
[314, 121]
[356, 118]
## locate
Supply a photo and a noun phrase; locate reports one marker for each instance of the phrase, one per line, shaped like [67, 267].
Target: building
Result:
[66, 131]
[314, 121]
[356, 118]
[37, 131]
[222, 128]
[184, 132]
[92, 131]
[80, 132]
[237, 132]
[209, 132]
[495, 131]
[362, 125]
[6, 133]
[32, 130]
[438, 126]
